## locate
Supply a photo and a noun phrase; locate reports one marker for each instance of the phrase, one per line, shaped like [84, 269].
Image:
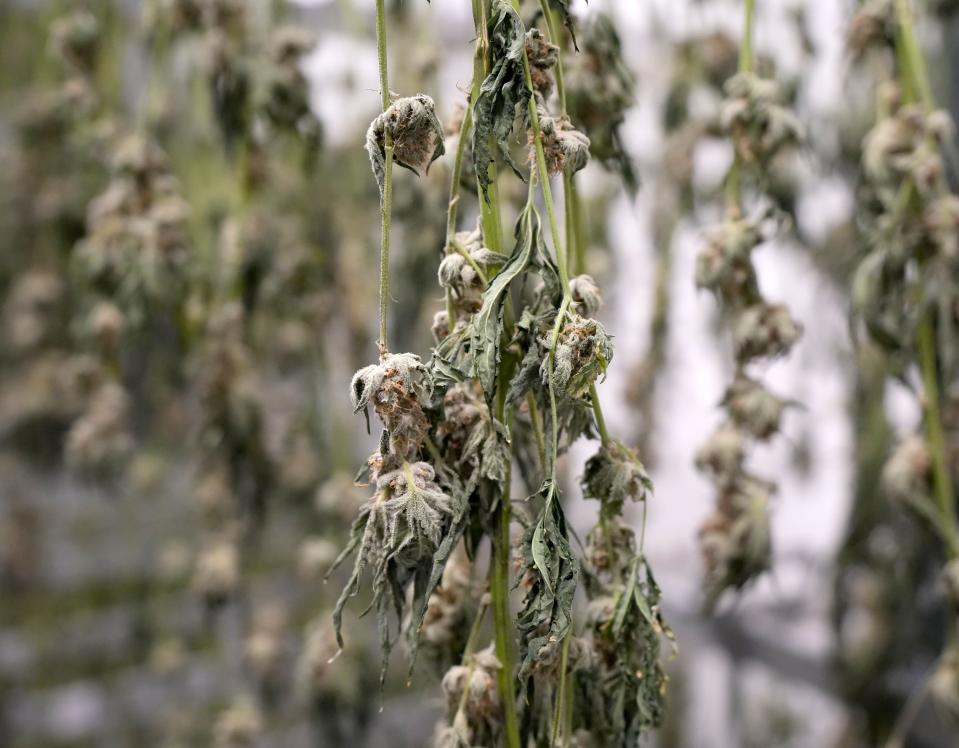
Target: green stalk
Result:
[454, 203]
[746, 48]
[910, 56]
[489, 208]
[386, 204]
[942, 478]
[915, 82]
[499, 592]
[544, 183]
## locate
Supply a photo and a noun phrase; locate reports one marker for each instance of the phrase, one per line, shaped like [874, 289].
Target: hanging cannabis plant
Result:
[905, 296]
[511, 379]
[735, 539]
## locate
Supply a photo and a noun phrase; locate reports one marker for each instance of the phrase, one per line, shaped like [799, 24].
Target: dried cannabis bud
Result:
[542, 55]
[735, 540]
[564, 146]
[415, 132]
[758, 125]
[586, 296]
[620, 669]
[753, 408]
[395, 388]
[765, 331]
[613, 475]
[583, 351]
[600, 90]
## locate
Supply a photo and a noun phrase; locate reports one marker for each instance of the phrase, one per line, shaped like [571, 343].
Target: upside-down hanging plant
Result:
[511, 381]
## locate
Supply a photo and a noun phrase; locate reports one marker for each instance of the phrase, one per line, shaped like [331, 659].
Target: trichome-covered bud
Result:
[463, 271]
[614, 475]
[941, 221]
[475, 681]
[440, 326]
[586, 295]
[415, 132]
[470, 437]
[753, 408]
[735, 541]
[395, 389]
[874, 25]
[416, 508]
[764, 331]
[724, 265]
[583, 351]
[907, 145]
[564, 146]
[753, 118]
[542, 55]
[723, 454]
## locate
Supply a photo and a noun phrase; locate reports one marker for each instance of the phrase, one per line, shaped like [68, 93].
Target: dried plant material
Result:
[473, 441]
[485, 326]
[907, 474]
[723, 455]
[735, 541]
[753, 408]
[906, 145]
[944, 684]
[724, 266]
[621, 672]
[564, 146]
[550, 572]
[76, 40]
[99, 443]
[501, 92]
[464, 271]
[238, 726]
[395, 388]
[586, 295]
[542, 55]
[941, 220]
[765, 331]
[613, 475]
[562, 7]
[583, 351]
[402, 536]
[414, 131]
[474, 685]
[753, 118]
[873, 26]
[217, 573]
[600, 90]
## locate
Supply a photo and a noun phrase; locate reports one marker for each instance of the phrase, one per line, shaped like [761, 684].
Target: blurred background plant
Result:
[190, 236]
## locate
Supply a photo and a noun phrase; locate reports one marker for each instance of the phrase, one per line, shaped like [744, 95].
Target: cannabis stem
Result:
[489, 208]
[746, 49]
[941, 475]
[386, 204]
[915, 75]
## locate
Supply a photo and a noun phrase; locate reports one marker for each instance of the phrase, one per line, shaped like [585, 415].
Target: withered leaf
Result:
[501, 92]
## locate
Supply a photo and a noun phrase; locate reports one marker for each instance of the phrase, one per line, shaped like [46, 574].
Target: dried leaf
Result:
[501, 92]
